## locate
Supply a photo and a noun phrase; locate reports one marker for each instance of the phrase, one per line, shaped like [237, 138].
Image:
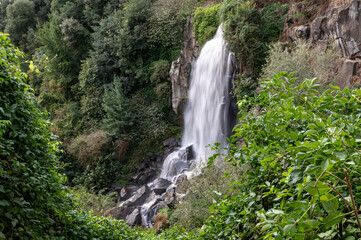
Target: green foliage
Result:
[119, 116]
[303, 60]
[193, 211]
[34, 204]
[30, 188]
[301, 163]
[99, 175]
[20, 17]
[96, 203]
[206, 22]
[248, 31]
[159, 71]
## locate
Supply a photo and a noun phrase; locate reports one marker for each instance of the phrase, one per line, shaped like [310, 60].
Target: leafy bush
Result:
[96, 203]
[202, 191]
[302, 163]
[249, 30]
[159, 71]
[206, 22]
[102, 173]
[87, 149]
[34, 204]
[29, 184]
[304, 61]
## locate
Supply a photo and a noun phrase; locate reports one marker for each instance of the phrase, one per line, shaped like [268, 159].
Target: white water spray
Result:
[207, 117]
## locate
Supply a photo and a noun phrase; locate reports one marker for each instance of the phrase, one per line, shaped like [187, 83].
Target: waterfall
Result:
[207, 120]
[207, 114]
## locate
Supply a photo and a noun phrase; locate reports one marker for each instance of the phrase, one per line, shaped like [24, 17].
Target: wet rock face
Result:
[160, 185]
[134, 218]
[170, 144]
[181, 68]
[187, 153]
[127, 192]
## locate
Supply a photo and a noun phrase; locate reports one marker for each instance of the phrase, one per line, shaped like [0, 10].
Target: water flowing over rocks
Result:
[207, 121]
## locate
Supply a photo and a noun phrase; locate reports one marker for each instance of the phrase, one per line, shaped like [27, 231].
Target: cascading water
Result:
[207, 115]
[207, 118]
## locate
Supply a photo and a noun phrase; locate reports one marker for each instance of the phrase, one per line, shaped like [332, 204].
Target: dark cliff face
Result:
[341, 27]
[338, 27]
[181, 68]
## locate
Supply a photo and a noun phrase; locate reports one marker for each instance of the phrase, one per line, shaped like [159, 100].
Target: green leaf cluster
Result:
[206, 22]
[34, 203]
[301, 165]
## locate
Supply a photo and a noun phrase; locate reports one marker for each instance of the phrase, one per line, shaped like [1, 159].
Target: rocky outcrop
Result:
[342, 25]
[187, 153]
[140, 202]
[181, 68]
[160, 185]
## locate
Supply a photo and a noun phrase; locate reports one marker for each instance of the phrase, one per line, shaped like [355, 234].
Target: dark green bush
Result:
[249, 31]
[33, 202]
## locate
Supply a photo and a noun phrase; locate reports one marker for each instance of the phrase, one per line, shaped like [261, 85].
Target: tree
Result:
[119, 116]
[20, 17]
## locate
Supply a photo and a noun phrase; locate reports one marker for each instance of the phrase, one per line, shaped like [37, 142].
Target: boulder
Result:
[140, 196]
[171, 143]
[169, 196]
[161, 205]
[300, 32]
[160, 185]
[181, 68]
[345, 76]
[187, 153]
[127, 192]
[134, 218]
[146, 176]
[119, 212]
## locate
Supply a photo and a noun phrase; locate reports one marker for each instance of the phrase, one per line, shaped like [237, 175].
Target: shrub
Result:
[202, 192]
[304, 61]
[96, 203]
[249, 31]
[159, 71]
[34, 204]
[206, 22]
[303, 162]
[89, 148]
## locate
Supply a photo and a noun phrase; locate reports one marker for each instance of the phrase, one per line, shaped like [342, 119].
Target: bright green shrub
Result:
[31, 191]
[301, 158]
[206, 22]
